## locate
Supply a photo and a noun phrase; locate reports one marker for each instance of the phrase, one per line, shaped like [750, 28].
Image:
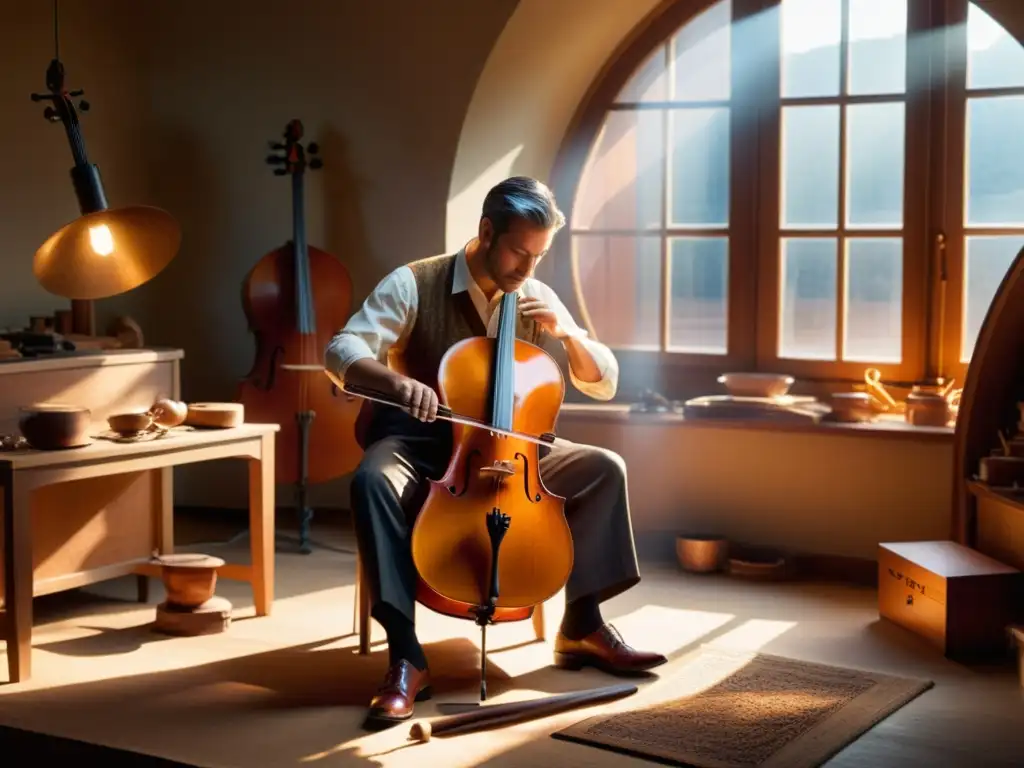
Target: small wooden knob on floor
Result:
[420, 731]
[210, 618]
[215, 415]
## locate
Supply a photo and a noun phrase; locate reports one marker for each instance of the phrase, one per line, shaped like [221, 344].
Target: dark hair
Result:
[524, 198]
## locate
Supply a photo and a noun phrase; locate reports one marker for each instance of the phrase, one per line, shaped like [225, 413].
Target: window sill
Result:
[887, 427]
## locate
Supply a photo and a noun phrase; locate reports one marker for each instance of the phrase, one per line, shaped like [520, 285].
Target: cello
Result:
[490, 542]
[295, 299]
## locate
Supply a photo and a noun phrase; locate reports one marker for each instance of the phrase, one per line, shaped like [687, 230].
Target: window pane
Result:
[995, 172]
[700, 290]
[807, 321]
[874, 300]
[649, 83]
[874, 157]
[622, 185]
[620, 281]
[986, 261]
[878, 47]
[994, 57]
[810, 166]
[700, 167]
[811, 31]
[700, 53]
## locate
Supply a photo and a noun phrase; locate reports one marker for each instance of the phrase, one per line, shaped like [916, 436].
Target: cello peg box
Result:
[956, 598]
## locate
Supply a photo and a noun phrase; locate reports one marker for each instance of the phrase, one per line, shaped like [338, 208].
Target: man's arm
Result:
[355, 352]
[593, 369]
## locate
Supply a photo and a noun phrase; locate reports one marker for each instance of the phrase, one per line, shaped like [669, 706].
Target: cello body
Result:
[277, 387]
[295, 298]
[494, 480]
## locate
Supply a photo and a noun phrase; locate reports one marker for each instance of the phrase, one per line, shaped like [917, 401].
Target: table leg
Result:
[18, 577]
[163, 523]
[261, 525]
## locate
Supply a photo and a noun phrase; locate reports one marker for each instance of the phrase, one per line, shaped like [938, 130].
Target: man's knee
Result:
[608, 463]
[371, 478]
[383, 476]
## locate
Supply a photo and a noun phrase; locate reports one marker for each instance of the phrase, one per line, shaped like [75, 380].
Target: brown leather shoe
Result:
[605, 650]
[393, 703]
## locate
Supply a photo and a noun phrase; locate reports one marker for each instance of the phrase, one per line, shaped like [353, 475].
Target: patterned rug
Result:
[751, 711]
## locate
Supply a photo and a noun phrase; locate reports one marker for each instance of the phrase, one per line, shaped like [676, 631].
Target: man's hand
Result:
[420, 399]
[544, 316]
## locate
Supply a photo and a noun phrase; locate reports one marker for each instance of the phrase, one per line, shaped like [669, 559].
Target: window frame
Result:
[933, 188]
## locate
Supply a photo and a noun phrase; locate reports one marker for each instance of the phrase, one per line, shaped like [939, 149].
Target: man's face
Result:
[512, 257]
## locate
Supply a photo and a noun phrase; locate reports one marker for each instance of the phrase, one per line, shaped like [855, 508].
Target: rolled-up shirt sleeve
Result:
[606, 387]
[378, 324]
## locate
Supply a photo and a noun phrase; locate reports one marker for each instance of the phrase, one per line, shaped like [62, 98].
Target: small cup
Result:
[126, 424]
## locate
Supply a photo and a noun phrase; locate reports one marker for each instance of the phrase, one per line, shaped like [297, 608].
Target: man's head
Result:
[519, 220]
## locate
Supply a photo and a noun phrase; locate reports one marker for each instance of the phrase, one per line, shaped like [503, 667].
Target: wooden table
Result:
[27, 472]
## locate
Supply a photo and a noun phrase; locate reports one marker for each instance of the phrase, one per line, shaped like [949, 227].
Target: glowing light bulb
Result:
[101, 240]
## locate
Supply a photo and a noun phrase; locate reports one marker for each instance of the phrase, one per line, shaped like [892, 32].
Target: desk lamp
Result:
[105, 251]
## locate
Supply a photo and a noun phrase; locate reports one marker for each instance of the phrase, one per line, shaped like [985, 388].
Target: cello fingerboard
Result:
[503, 383]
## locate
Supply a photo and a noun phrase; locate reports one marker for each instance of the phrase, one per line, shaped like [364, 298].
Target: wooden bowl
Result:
[53, 426]
[699, 553]
[759, 563]
[756, 384]
[189, 579]
[129, 423]
[852, 407]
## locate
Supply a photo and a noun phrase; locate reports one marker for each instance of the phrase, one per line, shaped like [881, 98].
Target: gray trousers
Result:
[389, 487]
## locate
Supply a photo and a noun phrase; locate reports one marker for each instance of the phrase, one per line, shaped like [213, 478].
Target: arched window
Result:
[812, 187]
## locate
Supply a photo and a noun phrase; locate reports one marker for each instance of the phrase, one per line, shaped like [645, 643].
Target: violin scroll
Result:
[294, 157]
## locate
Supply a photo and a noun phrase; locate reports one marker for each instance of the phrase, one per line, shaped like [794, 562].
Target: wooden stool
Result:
[361, 611]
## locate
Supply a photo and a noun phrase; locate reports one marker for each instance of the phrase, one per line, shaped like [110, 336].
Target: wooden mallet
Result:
[515, 711]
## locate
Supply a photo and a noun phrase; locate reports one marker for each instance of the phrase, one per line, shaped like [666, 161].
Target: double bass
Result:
[295, 299]
[490, 542]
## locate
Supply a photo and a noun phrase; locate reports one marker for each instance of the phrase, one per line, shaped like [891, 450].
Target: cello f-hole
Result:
[453, 490]
[533, 498]
[268, 382]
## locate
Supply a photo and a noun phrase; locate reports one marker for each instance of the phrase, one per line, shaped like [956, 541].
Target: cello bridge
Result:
[503, 467]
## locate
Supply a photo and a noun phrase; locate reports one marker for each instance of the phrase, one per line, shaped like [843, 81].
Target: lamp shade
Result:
[107, 252]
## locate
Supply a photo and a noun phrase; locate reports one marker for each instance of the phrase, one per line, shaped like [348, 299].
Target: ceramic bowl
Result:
[53, 426]
[756, 384]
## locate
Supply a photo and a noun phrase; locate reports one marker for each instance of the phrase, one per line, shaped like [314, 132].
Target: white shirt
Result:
[387, 315]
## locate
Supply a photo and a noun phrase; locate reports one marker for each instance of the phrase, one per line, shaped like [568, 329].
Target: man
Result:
[394, 344]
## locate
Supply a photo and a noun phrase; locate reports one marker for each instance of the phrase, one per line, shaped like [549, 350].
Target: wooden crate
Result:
[958, 599]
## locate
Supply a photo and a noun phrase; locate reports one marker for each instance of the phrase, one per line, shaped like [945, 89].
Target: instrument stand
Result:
[305, 419]
[497, 525]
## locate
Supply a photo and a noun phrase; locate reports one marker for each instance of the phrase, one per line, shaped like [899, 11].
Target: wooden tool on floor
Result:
[515, 712]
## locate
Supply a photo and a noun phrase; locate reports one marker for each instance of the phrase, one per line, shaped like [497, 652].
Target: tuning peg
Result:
[51, 114]
[316, 163]
[280, 172]
[313, 148]
[84, 105]
[275, 144]
[43, 97]
[275, 160]
[75, 94]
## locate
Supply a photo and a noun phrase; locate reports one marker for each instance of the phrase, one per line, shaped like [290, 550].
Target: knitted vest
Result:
[442, 319]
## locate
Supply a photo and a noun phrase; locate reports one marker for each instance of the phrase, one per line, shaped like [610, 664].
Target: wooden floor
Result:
[290, 690]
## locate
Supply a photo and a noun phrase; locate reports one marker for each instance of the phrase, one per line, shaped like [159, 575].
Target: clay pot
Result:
[701, 554]
[928, 407]
[189, 579]
[53, 426]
